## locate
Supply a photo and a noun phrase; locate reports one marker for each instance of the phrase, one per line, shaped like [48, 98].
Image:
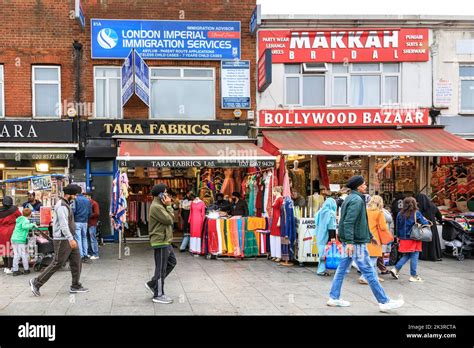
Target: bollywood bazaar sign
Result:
[191, 40]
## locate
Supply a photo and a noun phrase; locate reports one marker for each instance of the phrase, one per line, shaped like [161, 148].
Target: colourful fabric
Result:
[286, 185]
[213, 239]
[230, 244]
[250, 244]
[251, 192]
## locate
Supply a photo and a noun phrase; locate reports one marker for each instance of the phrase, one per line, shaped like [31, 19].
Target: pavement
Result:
[233, 287]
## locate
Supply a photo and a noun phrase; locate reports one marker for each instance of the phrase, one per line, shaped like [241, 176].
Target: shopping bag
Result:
[333, 253]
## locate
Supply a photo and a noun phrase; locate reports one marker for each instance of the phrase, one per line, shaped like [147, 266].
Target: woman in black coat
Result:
[431, 250]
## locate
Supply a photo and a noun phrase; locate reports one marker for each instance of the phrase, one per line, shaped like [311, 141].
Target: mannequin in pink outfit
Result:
[196, 221]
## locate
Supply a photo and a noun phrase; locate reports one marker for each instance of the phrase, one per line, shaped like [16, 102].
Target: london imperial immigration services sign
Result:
[190, 40]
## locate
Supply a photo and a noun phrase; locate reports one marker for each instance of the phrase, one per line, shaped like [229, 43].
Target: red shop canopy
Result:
[189, 154]
[382, 142]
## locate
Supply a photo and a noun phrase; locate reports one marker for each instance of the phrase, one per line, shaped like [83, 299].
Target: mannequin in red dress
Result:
[229, 184]
[275, 237]
[196, 221]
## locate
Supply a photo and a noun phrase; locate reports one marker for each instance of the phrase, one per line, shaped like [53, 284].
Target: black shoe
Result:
[86, 260]
[26, 272]
[17, 273]
[80, 289]
[34, 289]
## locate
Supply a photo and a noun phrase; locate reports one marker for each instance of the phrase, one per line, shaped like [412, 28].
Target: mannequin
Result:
[275, 236]
[229, 183]
[315, 202]
[299, 179]
[196, 221]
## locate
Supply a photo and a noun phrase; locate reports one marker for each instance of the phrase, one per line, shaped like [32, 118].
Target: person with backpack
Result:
[325, 221]
[406, 219]
[354, 234]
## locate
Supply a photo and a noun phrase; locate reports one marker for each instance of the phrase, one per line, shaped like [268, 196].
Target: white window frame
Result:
[464, 78]
[45, 82]
[379, 73]
[300, 75]
[181, 76]
[2, 90]
[107, 88]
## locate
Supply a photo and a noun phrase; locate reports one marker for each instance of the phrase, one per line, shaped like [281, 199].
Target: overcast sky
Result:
[374, 7]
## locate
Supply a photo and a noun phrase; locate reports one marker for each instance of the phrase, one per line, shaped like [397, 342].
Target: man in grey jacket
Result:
[65, 247]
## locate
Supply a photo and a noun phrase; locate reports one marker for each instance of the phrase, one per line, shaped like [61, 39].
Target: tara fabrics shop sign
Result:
[107, 129]
[13, 131]
[244, 163]
[343, 118]
[345, 45]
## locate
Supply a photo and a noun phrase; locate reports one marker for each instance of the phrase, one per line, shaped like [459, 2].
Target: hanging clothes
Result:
[287, 230]
[259, 196]
[196, 221]
[213, 238]
[250, 243]
[286, 185]
[229, 184]
[251, 192]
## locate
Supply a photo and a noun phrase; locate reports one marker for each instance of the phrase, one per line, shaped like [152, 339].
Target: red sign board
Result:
[345, 45]
[45, 216]
[343, 118]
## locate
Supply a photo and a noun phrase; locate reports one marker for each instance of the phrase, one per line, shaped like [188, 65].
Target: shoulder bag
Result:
[421, 232]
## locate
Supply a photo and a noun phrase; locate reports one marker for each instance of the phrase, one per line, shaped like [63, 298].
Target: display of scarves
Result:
[288, 229]
[118, 206]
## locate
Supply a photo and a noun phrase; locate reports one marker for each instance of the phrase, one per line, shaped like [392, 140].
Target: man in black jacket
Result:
[240, 207]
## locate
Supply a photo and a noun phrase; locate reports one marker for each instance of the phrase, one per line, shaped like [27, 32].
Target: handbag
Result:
[421, 232]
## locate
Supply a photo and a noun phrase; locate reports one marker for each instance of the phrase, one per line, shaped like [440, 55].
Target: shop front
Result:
[205, 157]
[35, 156]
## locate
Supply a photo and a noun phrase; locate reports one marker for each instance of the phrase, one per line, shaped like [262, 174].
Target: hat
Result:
[157, 189]
[236, 194]
[7, 201]
[355, 181]
[71, 189]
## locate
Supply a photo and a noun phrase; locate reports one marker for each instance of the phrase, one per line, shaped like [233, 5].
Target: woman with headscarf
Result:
[431, 251]
[8, 215]
[325, 221]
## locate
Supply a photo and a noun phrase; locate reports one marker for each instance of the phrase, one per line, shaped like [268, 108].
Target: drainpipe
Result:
[77, 77]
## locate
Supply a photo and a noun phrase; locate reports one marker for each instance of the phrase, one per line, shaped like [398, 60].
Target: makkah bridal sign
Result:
[443, 93]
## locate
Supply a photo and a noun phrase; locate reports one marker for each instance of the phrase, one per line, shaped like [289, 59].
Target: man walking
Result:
[92, 225]
[354, 234]
[82, 211]
[161, 234]
[65, 247]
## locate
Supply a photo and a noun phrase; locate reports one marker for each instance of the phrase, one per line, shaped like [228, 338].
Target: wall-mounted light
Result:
[2, 165]
[42, 167]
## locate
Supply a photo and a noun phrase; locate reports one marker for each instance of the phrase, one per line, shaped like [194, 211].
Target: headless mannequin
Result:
[299, 180]
[276, 196]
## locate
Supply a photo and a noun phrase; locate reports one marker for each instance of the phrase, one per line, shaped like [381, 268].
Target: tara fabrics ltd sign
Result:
[343, 118]
[352, 45]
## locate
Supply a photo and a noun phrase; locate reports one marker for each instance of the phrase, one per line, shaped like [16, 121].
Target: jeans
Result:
[94, 243]
[20, 251]
[362, 259]
[81, 237]
[413, 257]
[373, 261]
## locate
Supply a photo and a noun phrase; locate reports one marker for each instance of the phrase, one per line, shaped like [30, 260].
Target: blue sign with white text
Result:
[191, 40]
[142, 79]
[127, 78]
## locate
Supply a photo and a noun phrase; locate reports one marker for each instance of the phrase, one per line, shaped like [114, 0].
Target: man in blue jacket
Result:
[82, 209]
[354, 234]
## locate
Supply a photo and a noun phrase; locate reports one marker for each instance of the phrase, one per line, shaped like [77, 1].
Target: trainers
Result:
[381, 280]
[26, 272]
[363, 281]
[149, 288]
[162, 299]
[394, 273]
[34, 289]
[338, 303]
[80, 289]
[416, 278]
[17, 273]
[94, 257]
[8, 271]
[392, 304]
